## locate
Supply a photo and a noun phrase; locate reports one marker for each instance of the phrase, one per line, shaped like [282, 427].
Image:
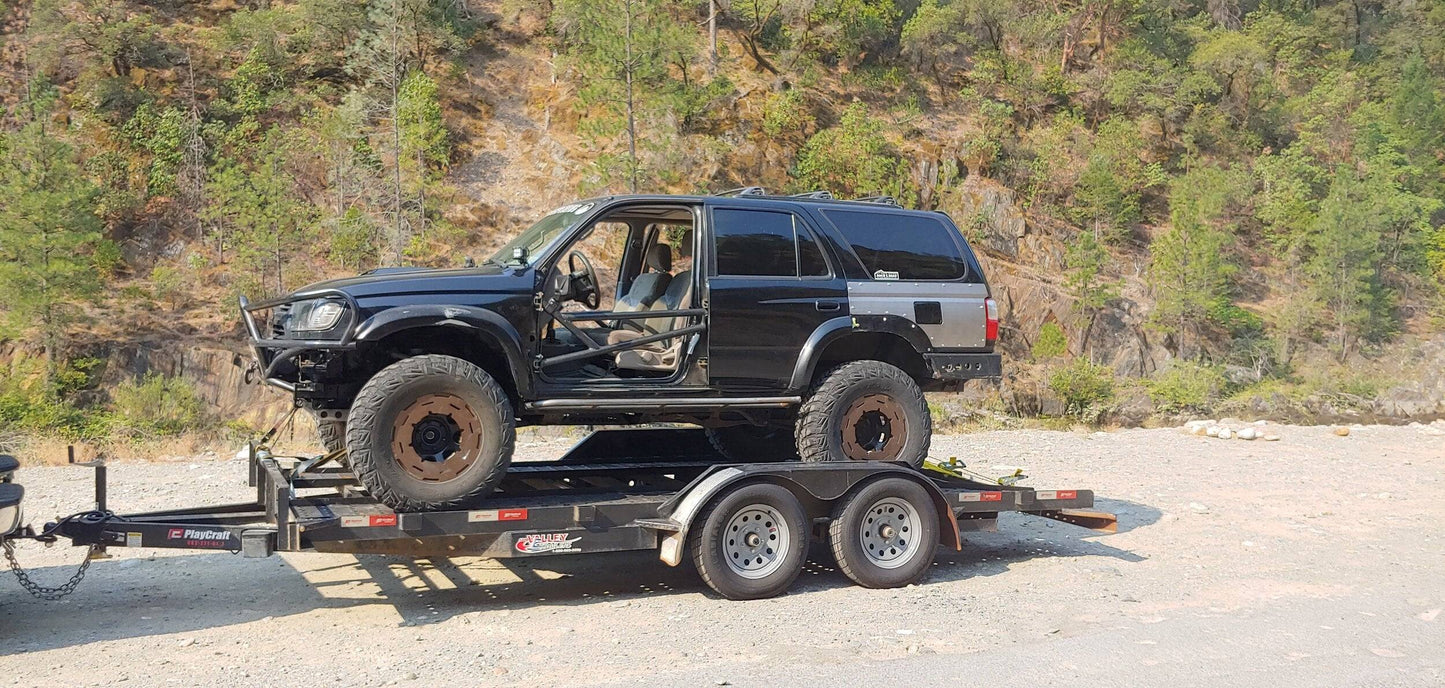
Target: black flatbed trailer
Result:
[617, 490]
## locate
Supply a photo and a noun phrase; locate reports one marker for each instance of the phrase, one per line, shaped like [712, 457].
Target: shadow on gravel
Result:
[178, 595]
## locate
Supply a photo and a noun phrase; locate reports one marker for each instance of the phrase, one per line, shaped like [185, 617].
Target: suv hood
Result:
[404, 281]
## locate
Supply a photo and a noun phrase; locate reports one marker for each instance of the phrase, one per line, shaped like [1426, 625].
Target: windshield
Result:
[529, 245]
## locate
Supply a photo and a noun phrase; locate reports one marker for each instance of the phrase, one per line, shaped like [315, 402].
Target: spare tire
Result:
[865, 411]
[429, 433]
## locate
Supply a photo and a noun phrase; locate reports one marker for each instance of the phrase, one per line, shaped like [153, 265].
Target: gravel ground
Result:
[1314, 560]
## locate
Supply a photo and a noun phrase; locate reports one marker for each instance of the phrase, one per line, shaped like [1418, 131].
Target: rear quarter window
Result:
[903, 247]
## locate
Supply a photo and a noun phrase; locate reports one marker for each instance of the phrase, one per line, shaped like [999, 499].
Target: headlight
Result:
[316, 316]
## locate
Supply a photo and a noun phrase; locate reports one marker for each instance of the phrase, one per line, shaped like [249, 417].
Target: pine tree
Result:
[1085, 280]
[1190, 271]
[1343, 267]
[620, 50]
[48, 223]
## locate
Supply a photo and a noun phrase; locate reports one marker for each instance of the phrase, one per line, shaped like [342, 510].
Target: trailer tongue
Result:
[747, 526]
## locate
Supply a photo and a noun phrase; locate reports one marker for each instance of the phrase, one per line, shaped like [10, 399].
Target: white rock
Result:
[1212, 431]
[1271, 438]
[1248, 434]
[1226, 433]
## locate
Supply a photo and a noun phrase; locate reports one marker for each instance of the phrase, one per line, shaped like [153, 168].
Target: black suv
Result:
[788, 326]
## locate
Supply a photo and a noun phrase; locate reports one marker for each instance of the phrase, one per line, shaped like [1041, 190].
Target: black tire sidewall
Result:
[332, 434]
[848, 383]
[389, 392]
[707, 551]
[753, 443]
[847, 548]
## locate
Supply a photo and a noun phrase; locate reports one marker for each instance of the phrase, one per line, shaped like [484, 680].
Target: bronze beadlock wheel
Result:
[429, 433]
[875, 428]
[864, 411]
[436, 438]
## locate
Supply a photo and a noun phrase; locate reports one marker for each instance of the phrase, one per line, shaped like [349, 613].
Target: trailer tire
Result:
[754, 443]
[858, 396]
[884, 534]
[729, 542]
[430, 433]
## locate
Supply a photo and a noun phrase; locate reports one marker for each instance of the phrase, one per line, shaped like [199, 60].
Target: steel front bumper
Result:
[269, 354]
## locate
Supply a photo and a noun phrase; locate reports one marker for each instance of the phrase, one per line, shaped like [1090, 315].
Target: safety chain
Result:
[48, 593]
[38, 590]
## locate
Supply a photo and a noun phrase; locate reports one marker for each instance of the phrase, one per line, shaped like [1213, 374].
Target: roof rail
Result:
[744, 191]
[885, 200]
[823, 195]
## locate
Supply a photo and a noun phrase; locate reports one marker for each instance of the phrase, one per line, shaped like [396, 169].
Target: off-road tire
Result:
[753, 443]
[370, 432]
[332, 434]
[848, 546]
[708, 539]
[820, 420]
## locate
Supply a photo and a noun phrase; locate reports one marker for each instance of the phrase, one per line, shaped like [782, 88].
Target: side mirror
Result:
[469, 263]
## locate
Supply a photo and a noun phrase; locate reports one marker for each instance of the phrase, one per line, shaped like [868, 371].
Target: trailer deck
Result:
[616, 490]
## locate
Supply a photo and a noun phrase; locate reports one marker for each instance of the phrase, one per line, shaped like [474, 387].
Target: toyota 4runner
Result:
[790, 327]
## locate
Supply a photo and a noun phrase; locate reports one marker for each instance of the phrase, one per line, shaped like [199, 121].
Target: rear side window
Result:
[901, 247]
[761, 243]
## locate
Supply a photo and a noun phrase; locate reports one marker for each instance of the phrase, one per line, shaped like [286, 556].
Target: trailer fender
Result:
[823, 483]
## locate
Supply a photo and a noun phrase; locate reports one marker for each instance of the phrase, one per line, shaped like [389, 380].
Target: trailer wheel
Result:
[429, 433]
[753, 443]
[751, 542]
[865, 411]
[885, 533]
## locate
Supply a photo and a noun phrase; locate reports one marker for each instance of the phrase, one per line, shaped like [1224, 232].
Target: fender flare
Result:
[476, 322]
[823, 483]
[842, 326]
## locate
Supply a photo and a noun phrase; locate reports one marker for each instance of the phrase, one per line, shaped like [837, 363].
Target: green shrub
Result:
[1185, 386]
[156, 406]
[1085, 389]
[1051, 342]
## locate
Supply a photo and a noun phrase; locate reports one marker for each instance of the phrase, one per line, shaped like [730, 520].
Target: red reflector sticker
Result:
[980, 496]
[487, 515]
[382, 520]
[1047, 495]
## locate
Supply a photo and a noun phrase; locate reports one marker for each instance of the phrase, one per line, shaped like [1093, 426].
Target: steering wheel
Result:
[584, 281]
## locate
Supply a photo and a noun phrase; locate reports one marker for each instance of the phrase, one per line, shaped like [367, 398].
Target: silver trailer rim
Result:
[889, 533]
[756, 541]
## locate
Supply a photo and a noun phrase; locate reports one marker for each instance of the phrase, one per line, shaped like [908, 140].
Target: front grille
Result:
[279, 315]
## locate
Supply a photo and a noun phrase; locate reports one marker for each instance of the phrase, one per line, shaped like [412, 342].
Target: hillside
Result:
[1229, 206]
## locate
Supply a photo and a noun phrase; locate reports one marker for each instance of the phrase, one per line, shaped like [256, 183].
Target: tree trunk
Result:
[631, 111]
[395, 68]
[711, 38]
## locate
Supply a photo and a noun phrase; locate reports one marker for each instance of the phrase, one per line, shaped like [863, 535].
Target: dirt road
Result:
[1315, 560]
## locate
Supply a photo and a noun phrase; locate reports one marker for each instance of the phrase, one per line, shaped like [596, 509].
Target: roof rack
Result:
[823, 195]
[885, 200]
[744, 191]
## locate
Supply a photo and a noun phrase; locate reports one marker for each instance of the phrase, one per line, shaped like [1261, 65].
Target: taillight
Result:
[990, 308]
